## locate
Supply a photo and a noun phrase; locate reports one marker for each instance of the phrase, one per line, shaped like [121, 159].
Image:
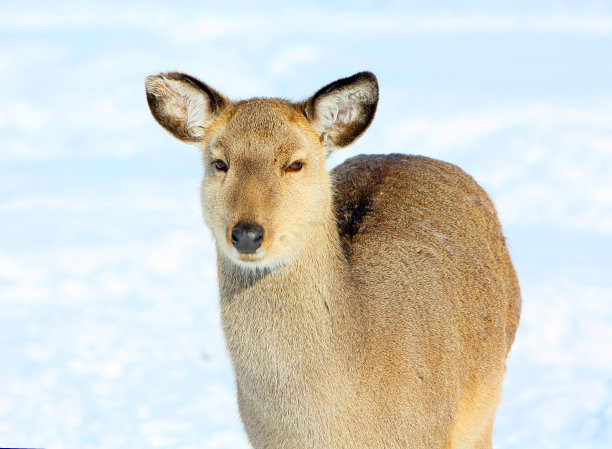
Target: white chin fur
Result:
[258, 263]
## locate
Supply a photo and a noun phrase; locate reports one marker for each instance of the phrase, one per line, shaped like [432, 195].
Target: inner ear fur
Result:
[183, 105]
[341, 111]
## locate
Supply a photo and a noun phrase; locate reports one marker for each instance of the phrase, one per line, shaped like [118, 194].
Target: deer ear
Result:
[341, 111]
[183, 105]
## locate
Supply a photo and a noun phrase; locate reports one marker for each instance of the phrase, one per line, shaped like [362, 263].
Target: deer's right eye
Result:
[220, 165]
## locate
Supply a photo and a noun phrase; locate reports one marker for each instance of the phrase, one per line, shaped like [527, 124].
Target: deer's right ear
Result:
[184, 105]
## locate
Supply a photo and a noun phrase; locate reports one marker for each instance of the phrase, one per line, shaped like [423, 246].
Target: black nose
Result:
[247, 237]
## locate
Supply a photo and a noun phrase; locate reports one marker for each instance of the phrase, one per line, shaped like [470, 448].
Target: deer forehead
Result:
[265, 129]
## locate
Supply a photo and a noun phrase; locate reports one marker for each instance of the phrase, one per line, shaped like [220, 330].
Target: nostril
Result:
[247, 237]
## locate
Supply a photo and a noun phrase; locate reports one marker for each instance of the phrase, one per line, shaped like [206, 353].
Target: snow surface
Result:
[109, 327]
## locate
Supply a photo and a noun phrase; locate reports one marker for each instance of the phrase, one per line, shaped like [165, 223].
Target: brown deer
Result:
[373, 307]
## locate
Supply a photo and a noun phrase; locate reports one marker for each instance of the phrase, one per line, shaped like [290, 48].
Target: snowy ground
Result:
[109, 329]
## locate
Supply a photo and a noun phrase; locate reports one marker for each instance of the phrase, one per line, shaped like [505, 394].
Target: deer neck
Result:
[282, 326]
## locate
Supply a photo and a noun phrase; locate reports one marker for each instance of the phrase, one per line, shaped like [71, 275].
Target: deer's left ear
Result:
[341, 111]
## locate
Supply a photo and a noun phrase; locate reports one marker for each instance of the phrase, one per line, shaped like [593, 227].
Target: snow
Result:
[109, 326]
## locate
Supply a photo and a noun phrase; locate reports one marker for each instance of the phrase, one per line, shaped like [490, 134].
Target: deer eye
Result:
[296, 166]
[220, 165]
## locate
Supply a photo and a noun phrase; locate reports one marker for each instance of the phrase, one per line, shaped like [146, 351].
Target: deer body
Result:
[373, 308]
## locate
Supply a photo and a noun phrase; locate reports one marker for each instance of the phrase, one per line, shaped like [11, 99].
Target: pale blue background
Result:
[109, 329]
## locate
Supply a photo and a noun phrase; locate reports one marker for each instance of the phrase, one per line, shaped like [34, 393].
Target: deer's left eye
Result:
[296, 166]
[220, 165]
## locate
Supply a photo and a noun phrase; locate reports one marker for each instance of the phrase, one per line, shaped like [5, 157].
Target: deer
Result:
[372, 306]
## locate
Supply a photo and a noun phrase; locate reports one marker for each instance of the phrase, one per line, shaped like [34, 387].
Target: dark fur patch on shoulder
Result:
[356, 183]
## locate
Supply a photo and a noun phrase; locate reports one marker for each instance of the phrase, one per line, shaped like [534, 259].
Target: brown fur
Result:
[383, 303]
